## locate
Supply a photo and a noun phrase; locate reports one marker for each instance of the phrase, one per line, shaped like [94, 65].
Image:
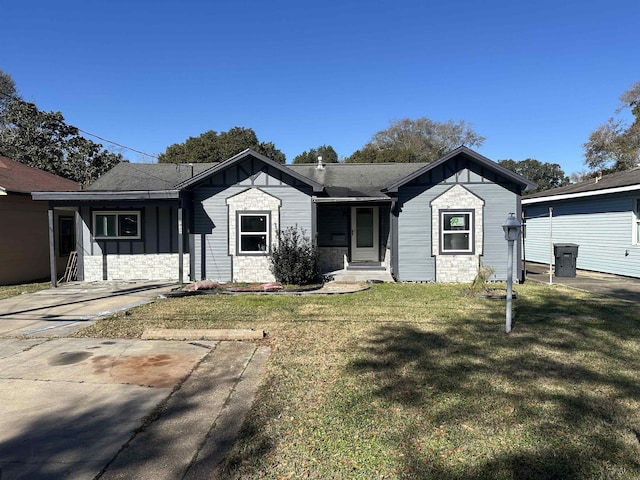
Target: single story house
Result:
[600, 215]
[24, 234]
[419, 222]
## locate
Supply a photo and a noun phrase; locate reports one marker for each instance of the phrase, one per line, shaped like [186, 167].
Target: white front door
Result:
[364, 234]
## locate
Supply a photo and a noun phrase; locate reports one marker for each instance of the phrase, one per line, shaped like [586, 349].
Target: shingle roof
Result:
[356, 179]
[147, 176]
[19, 178]
[613, 180]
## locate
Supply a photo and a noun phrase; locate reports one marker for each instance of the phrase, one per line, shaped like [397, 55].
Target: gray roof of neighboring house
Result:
[356, 179]
[627, 178]
[147, 176]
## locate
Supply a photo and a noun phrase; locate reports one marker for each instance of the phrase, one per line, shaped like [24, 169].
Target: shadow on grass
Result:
[558, 398]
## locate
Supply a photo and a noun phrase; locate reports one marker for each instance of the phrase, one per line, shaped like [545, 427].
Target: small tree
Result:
[293, 259]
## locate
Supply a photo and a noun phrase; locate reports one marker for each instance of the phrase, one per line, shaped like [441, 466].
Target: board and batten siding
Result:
[211, 259]
[602, 227]
[415, 261]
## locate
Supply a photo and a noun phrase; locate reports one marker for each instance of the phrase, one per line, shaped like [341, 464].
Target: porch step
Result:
[361, 276]
[366, 266]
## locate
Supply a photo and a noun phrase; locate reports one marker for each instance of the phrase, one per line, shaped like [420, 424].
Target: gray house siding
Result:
[415, 261]
[210, 225]
[602, 226]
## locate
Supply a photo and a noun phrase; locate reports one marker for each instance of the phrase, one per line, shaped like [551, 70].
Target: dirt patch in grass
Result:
[419, 381]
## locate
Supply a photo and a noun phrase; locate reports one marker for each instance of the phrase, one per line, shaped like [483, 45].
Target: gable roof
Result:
[467, 154]
[317, 187]
[16, 177]
[626, 181]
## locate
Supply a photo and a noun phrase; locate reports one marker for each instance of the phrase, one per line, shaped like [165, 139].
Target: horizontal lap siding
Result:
[498, 203]
[602, 227]
[210, 230]
[415, 262]
[211, 222]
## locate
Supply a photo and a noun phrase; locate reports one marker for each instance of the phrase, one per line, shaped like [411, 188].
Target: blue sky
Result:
[535, 78]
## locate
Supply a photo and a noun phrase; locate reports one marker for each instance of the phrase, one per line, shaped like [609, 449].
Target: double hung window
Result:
[456, 231]
[253, 233]
[116, 225]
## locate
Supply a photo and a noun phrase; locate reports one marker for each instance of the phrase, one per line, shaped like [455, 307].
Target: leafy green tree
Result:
[615, 145]
[420, 140]
[43, 140]
[545, 175]
[211, 146]
[327, 153]
[8, 92]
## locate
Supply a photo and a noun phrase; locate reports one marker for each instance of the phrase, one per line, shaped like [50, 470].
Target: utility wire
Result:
[16, 97]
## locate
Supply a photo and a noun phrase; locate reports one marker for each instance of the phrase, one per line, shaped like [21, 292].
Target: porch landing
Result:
[361, 273]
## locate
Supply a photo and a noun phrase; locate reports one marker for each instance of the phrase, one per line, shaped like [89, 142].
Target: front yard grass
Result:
[7, 291]
[419, 381]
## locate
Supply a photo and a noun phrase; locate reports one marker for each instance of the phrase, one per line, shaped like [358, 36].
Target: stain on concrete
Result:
[159, 370]
[68, 358]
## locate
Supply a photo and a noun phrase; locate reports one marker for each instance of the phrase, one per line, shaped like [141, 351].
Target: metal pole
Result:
[550, 245]
[509, 285]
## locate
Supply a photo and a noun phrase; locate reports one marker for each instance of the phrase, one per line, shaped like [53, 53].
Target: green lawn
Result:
[419, 381]
[7, 291]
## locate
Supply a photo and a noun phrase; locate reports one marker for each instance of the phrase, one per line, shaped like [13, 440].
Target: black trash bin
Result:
[565, 255]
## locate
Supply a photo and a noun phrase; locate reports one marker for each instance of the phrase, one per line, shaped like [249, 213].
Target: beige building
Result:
[24, 238]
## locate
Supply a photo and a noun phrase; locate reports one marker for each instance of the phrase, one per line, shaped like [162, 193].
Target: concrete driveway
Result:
[115, 408]
[60, 311]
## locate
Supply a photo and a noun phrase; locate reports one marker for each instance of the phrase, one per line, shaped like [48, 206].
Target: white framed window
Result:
[118, 225]
[456, 232]
[253, 232]
[636, 221]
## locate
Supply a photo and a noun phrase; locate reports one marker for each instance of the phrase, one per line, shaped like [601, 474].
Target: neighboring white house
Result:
[600, 215]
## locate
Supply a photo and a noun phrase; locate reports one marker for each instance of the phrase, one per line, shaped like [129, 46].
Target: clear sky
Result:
[533, 77]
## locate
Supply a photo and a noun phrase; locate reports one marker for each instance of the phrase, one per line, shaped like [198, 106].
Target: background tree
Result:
[615, 145]
[211, 146]
[420, 140]
[43, 140]
[545, 175]
[327, 153]
[8, 92]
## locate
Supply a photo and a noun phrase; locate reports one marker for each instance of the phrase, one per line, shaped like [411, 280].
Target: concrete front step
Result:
[361, 276]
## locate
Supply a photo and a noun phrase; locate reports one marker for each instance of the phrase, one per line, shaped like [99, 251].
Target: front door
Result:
[364, 234]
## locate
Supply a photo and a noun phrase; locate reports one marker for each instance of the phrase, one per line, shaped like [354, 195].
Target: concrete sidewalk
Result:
[624, 288]
[60, 311]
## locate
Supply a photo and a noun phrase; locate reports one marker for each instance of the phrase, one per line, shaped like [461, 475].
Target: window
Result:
[116, 225]
[253, 232]
[456, 231]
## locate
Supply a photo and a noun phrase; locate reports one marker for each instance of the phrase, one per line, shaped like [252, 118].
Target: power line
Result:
[16, 97]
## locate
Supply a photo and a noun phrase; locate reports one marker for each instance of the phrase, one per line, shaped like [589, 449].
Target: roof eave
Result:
[317, 188]
[88, 195]
[486, 162]
[588, 193]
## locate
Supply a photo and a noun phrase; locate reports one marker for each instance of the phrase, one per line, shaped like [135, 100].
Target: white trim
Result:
[265, 232]
[118, 213]
[567, 196]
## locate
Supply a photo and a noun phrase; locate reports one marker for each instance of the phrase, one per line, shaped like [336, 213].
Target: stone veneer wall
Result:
[252, 268]
[331, 259]
[161, 266]
[457, 268]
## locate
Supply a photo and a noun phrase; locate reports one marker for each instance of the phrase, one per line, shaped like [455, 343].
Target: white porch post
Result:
[52, 249]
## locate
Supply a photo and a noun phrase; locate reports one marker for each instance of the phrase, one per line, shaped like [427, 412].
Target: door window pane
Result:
[364, 226]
